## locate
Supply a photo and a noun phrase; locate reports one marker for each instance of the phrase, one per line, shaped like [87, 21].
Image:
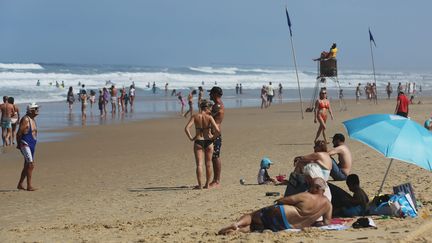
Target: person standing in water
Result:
[70, 98]
[26, 143]
[190, 102]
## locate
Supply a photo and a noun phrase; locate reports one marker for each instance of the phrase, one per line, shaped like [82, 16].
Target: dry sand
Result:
[131, 182]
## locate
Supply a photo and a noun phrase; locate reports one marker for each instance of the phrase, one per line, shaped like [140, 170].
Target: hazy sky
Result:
[217, 32]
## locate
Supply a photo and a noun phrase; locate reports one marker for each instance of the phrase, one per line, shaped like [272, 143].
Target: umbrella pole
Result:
[385, 176]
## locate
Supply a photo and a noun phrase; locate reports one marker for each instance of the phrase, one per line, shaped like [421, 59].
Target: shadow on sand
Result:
[9, 190]
[160, 188]
[295, 144]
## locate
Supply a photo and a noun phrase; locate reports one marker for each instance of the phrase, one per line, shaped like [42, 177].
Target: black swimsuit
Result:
[204, 143]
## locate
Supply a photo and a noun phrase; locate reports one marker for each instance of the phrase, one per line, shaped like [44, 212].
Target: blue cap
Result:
[265, 163]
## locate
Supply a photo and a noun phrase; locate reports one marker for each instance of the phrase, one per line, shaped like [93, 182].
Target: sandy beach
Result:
[131, 182]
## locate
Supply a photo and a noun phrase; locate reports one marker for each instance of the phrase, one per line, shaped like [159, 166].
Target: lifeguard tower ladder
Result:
[327, 69]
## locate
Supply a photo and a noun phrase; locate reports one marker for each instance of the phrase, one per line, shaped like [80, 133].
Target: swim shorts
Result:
[6, 124]
[217, 147]
[26, 152]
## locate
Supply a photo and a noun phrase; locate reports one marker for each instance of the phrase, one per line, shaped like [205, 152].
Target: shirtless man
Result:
[113, 93]
[340, 170]
[26, 142]
[294, 212]
[218, 112]
[7, 111]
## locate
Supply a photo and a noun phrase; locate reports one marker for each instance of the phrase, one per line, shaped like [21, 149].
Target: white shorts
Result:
[113, 100]
[26, 152]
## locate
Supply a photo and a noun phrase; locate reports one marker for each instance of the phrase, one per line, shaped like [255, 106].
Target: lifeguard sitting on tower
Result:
[327, 55]
[327, 62]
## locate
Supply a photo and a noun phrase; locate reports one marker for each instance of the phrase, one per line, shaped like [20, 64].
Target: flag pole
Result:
[295, 62]
[373, 66]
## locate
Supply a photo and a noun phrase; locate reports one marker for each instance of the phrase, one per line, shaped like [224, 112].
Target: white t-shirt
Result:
[270, 90]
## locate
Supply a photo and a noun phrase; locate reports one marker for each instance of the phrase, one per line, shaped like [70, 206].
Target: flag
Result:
[371, 37]
[289, 21]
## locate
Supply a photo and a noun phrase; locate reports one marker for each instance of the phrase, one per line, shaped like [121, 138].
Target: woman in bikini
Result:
[203, 140]
[321, 107]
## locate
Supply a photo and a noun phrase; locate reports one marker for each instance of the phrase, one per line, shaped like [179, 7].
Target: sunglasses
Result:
[323, 92]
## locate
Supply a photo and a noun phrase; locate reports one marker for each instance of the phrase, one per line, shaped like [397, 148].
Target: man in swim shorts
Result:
[340, 170]
[113, 93]
[7, 111]
[26, 143]
[218, 113]
[293, 212]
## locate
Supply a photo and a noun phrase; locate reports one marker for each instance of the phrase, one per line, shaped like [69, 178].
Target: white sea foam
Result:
[22, 84]
[21, 66]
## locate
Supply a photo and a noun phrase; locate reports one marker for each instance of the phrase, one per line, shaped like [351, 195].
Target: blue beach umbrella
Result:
[394, 136]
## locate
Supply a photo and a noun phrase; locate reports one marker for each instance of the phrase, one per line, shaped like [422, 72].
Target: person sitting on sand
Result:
[203, 140]
[341, 170]
[263, 176]
[293, 212]
[346, 205]
[317, 164]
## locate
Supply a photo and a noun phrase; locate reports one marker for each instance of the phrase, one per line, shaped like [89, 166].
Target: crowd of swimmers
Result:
[120, 99]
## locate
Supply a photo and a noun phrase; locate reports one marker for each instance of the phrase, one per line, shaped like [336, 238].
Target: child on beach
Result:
[354, 205]
[263, 176]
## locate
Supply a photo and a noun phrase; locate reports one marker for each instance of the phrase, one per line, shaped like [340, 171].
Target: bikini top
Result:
[201, 129]
[323, 104]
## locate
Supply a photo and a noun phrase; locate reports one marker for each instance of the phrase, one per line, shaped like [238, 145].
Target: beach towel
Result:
[325, 227]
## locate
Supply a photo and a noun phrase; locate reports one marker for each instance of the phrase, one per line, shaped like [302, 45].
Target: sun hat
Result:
[265, 163]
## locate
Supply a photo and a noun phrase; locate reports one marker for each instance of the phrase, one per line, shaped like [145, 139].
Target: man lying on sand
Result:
[293, 212]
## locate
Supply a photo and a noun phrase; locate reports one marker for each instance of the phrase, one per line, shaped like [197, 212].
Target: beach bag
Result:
[406, 189]
[380, 205]
[402, 205]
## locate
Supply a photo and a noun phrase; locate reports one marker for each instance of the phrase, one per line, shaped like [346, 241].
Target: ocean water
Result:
[19, 81]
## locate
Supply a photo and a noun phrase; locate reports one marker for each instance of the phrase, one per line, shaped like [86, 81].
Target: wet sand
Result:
[131, 182]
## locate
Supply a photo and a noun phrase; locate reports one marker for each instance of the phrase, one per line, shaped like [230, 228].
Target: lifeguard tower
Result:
[327, 69]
